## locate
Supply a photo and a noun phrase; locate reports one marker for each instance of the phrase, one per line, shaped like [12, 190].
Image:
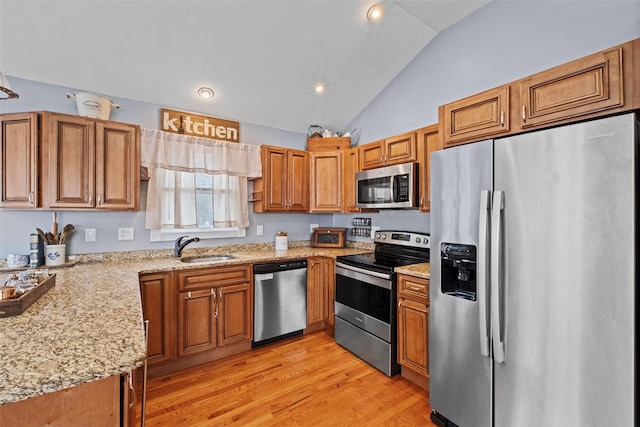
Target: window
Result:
[199, 204]
[197, 186]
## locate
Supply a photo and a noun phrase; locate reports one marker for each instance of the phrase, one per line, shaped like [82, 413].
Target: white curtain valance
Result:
[184, 153]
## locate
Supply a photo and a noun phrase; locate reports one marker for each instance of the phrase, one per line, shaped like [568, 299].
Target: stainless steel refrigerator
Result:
[533, 278]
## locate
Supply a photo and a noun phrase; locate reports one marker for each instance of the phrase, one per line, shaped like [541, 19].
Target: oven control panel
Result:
[403, 238]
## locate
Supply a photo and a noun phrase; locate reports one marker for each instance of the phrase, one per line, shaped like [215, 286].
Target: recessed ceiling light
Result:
[318, 88]
[375, 13]
[205, 92]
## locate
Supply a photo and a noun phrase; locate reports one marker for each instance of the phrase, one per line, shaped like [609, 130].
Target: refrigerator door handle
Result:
[497, 277]
[483, 270]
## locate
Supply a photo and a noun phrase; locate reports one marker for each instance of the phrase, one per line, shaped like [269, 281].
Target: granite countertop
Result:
[422, 270]
[89, 326]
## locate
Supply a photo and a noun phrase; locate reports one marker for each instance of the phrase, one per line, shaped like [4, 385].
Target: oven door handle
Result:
[364, 271]
[372, 277]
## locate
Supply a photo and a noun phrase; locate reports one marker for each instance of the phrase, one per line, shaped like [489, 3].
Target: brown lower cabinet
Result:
[109, 402]
[321, 284]
[157, 291]
[413, 328]
[203, 314]
[197, 315]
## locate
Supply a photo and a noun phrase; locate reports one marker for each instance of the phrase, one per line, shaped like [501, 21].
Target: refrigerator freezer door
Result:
[460, 377]
[569, 276]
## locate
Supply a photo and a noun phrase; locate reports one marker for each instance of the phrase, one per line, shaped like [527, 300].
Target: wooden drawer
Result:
[213, 276]
[414, 288]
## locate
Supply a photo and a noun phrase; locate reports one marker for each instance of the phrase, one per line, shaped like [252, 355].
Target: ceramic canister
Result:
[55, 254]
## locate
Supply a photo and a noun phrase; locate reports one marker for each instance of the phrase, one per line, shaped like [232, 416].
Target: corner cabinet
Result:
[284, 186]
[413, 324]
[389, 151]
[326, 181]
[321, 290]
[90, 163]
[19, 160]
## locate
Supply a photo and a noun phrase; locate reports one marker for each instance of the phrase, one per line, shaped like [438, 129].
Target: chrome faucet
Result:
[179, 245]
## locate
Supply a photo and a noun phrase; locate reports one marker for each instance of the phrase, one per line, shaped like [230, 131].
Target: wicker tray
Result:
[15, 306]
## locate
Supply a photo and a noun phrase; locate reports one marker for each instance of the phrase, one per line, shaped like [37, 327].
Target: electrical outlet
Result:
[373, 231]
[312, 226]
[125, 233]
[259, 230]
[89, 234]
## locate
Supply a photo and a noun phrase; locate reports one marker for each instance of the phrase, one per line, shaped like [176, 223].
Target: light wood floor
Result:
[305, 381]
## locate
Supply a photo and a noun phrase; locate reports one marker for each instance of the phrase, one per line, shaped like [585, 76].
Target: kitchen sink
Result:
[208, 258]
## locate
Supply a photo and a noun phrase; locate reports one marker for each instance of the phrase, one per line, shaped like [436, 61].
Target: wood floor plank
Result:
[304, 381]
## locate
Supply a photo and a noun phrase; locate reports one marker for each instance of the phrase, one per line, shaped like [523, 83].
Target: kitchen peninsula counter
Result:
[89, 326]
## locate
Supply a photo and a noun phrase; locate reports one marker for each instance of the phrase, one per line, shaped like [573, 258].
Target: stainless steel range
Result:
[366, 292]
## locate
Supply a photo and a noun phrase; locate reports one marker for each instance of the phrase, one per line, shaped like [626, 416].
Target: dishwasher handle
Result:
[274, 267]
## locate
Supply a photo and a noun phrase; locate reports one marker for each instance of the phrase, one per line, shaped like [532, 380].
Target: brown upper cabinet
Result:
[595, 85]
[84, 163]
[428, 141]
[19, 161]
[587, 85]
[389, 151]
[284, 186]
[476, 117]
[326, 179]
[90, 163]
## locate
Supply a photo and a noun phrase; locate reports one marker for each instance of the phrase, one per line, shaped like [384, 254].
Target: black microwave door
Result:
[375, 191]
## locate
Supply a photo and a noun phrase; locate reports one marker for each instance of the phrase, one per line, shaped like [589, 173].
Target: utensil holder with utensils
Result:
[55, 243]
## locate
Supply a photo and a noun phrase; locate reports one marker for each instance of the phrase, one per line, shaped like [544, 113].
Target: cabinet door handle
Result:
[189, 294]
[502, 118]
[422, 201]
[415, 288]
[99, 199]
[132, 391]
[31, 197]
[524, 114]
[90, 198]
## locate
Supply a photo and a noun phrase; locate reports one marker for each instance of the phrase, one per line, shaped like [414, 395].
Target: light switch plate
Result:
[125, 233]
[89, 234]
[259, 230]
[312, 226]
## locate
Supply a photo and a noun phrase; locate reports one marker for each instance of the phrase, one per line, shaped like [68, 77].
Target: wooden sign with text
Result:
[190, 124]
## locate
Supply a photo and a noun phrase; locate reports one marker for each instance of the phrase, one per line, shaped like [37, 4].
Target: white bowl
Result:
[17, 260]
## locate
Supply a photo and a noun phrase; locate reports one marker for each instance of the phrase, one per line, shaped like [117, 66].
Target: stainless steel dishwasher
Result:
[280, 300]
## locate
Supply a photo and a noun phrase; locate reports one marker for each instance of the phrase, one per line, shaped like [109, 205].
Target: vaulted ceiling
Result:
[261, 57]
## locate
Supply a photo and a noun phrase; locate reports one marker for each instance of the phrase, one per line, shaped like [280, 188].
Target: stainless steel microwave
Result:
[390, 187]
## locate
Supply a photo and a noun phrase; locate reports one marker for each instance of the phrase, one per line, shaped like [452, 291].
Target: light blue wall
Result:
[501, 42]
[15, 226]
[504, 41]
